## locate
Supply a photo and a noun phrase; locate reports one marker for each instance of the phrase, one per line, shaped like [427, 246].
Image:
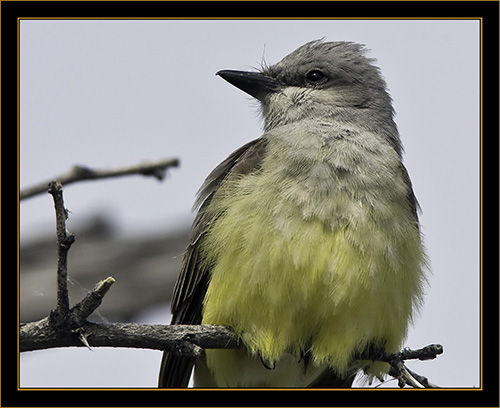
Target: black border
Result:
[487, 10]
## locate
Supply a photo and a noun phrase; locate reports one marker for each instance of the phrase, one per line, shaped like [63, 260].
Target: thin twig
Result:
[64, 242]
[156, 169]
[422, 380]
[429, 352]
[82, 310]
[407, 377]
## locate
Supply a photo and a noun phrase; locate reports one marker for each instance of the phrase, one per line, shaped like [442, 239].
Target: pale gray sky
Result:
[115, 92]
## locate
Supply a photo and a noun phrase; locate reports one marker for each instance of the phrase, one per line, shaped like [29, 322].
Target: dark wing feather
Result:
[191, 285]
[412, 200]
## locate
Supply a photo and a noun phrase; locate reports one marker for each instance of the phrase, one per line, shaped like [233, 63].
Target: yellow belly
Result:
[288, 284]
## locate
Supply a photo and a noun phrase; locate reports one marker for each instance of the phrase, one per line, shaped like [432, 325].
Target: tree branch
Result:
[65, 327]
[73, 330]
[186, 340]
[179, 339]
[79, 173]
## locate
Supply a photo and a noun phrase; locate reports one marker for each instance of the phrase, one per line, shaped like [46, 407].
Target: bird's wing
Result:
[192, 281]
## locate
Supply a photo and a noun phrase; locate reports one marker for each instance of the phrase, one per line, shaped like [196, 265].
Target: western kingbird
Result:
[307, 241]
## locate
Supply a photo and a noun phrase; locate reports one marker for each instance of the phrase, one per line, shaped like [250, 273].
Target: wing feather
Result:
[192, 282]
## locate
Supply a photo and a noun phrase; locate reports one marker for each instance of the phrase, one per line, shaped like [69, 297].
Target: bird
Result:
[307, 242]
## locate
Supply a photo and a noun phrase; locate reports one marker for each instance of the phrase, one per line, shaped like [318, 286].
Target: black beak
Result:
[253, 83]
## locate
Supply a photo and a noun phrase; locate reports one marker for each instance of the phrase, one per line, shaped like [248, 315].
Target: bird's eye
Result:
[315, 77]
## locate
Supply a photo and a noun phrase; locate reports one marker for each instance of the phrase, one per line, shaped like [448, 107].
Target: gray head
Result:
[322, 80]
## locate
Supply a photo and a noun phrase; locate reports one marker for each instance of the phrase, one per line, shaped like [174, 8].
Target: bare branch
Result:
[179, 339]
[73, 330]
[187, 340]
[80, 173]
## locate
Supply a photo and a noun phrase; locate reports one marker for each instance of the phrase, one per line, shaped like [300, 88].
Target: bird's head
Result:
[320, 81]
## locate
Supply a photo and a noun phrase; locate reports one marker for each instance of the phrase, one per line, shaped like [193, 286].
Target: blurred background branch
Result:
[156, 169]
